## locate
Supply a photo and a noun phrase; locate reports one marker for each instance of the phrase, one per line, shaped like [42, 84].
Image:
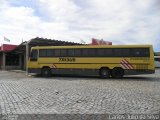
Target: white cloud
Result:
[60, 10]
[120, 21]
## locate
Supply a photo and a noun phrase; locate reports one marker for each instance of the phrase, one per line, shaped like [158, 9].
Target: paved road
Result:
[21, 94]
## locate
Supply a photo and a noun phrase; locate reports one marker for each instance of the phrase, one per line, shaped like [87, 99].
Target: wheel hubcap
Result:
[46, 72]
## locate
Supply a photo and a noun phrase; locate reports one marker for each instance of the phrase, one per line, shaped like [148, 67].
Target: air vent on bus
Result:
[140, 58]
[142, 67]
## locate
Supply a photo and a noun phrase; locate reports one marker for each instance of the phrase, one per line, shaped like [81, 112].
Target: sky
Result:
[118, 21]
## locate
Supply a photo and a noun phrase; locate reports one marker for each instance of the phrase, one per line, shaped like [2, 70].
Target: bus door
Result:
[33, 61]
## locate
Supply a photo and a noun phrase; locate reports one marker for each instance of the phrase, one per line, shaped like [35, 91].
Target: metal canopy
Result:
[21, 49]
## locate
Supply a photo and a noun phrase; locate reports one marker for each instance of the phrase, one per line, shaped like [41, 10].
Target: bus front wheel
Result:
[104, 73]
[46, 72]
[117, 72]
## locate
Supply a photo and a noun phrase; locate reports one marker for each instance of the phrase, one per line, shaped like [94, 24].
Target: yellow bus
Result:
[102, 60]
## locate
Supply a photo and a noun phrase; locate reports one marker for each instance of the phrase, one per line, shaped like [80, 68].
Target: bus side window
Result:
[146, 52]
[109, 52]
[57, 53]
[140, 52]
[50, 53]
[125, 52]
[92, 52]
[117, 52]
[42, 53]
[77, 52]
[63, 53]
[84, 52]
[71, 53]
[33, 55]
[101, 52]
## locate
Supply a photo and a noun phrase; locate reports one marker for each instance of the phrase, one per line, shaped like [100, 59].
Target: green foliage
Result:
[156, 53]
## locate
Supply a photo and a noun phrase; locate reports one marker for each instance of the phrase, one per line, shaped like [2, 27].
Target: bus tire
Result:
[46, 72]
[104, 73]
[117, 72]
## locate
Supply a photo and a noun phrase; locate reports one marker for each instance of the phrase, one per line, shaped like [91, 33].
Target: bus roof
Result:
[93, 46]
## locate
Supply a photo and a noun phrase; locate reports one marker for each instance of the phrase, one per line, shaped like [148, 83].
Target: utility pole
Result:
[27, 55]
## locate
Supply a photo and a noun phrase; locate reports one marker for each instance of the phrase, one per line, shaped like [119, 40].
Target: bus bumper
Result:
[137, 72]
[34, 70]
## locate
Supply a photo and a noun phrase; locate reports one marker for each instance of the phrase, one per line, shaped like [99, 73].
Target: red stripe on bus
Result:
[54, 66]
[129, 64]
[124, 64]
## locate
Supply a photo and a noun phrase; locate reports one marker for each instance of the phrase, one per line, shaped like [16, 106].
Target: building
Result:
[100, 42]
[9, 60]
[157, 59]
[14, 56]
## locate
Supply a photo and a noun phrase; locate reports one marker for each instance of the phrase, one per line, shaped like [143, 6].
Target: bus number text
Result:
[67, 59]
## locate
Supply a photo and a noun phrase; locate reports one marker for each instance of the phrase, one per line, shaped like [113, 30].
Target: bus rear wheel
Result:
[104, 73]
[46, 72]
[117, 72]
